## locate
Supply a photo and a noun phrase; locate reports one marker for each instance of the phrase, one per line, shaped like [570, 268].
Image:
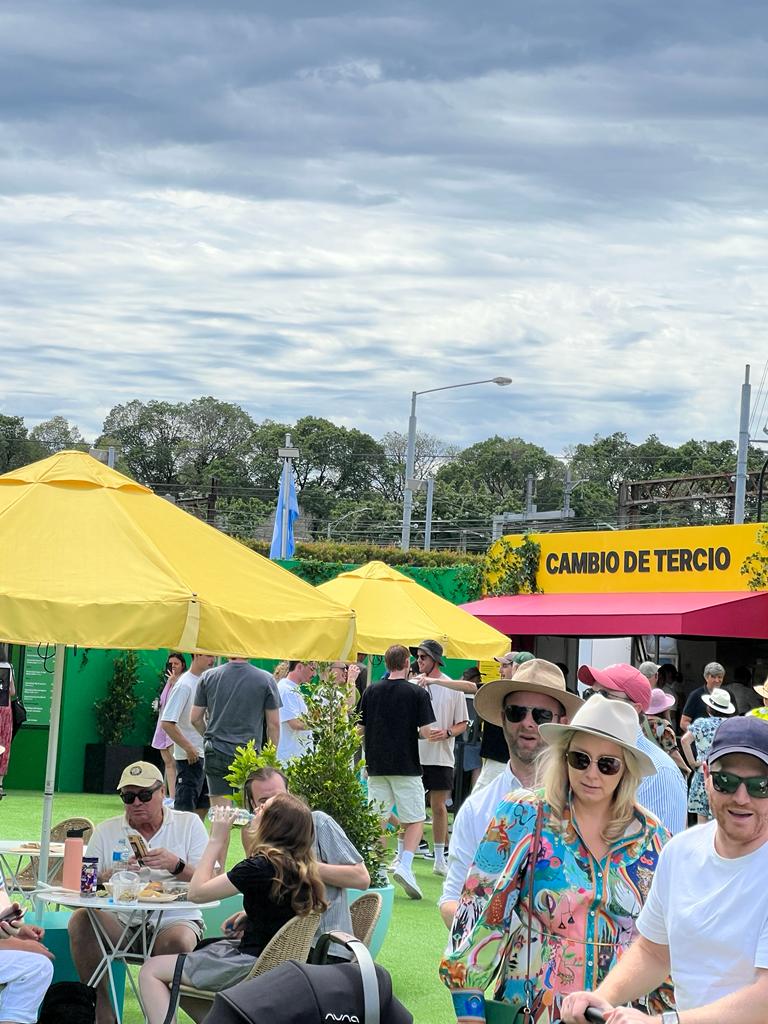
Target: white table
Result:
[14, 853]
[135, 927]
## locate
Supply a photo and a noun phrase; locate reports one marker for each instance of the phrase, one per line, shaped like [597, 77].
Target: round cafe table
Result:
[16, 855]
[140, 925]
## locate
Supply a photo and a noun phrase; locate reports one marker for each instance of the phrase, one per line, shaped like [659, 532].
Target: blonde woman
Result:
[594, 860]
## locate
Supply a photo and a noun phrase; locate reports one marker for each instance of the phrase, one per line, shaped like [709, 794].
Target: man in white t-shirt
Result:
[191, 790]
[536, 694]
[295, 737]
[175, 842]
[436, 752]
[705, 921]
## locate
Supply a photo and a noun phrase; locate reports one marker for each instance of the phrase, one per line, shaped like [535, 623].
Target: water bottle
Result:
[121, 854]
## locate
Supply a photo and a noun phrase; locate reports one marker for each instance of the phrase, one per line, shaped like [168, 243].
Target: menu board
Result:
[37, 684]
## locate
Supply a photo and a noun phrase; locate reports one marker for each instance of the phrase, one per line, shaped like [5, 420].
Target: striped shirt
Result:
[333, 847]
[665, 793]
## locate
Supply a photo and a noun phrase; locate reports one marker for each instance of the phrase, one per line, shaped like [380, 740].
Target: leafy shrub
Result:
[116, 713]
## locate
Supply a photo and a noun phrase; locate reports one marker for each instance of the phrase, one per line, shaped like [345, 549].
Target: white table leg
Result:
[112, 951]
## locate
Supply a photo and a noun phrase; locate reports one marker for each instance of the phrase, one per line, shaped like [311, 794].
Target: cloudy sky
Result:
[321, 206]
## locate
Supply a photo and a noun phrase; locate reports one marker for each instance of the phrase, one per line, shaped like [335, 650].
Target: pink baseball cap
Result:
[660, 702]
[623, 678]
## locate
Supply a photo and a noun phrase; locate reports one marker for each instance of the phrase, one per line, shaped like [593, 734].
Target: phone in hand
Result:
[12, 914]
[139, 847]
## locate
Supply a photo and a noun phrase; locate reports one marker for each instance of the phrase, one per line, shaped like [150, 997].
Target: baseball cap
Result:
[520, 657]
[140, 773]
[648, 668]
[620, 677]
[506, 659]
[433, 649]
[741, 735]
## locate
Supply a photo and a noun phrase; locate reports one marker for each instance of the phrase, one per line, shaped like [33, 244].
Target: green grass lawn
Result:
[412, 948]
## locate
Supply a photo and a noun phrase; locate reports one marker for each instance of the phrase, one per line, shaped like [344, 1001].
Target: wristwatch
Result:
[670, 1017]
[181, 864]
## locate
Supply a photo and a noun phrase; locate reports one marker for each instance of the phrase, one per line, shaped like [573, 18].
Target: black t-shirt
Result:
[695, 706]
[392, 711]
[493, 745]
[253, 878]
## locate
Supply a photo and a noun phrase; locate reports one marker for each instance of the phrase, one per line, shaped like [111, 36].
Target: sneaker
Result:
[407, 880]
[440, 869]
[394, 863]
[424, 850]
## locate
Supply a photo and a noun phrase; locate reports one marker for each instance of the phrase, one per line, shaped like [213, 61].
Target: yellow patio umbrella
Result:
[90, 557]
[392, 608]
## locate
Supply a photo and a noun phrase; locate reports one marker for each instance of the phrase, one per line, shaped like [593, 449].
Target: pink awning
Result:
[732, 614]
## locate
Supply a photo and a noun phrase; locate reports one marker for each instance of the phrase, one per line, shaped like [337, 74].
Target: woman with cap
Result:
[560, 875]
[702, 732]
[656, 727]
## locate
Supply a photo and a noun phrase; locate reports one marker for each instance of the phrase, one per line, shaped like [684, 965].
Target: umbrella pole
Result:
[50, 770]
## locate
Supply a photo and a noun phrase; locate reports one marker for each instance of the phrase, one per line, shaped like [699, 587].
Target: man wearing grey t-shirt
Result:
[232, 703]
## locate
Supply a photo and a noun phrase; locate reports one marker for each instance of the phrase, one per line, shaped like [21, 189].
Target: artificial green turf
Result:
[411, 951]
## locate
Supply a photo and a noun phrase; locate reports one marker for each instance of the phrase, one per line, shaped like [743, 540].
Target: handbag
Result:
[497, 1012]
[18, 713]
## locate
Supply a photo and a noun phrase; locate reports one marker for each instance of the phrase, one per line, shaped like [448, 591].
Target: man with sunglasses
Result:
[706, 917]
[537, 694]
[664, 794]
[175, 840]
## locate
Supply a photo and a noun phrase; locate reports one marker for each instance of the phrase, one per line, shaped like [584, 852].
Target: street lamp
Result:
[410, 456]
[354, 512]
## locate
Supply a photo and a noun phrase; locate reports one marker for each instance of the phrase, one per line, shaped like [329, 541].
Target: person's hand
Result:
[160, 859]
[353, 671]
[435, 735]
[421, 680]
[234, 926]
[628, 1015]
[574, 1005]
[192, 755]
[31, 931]
[10, 929]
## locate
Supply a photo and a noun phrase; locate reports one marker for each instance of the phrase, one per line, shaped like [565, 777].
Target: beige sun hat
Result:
[613, 720]
[533, 676]
[762, 690]
[719, 700]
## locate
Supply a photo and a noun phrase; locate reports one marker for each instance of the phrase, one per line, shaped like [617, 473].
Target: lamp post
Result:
[354, 512]
[410, 455]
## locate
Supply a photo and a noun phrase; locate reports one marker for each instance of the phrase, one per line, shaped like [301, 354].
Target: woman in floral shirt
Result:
[596, 857]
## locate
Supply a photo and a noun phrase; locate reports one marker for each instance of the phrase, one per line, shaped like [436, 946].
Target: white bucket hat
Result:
[719, 700]
[613, 720]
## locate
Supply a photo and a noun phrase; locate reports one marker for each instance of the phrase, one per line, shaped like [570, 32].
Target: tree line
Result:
[208, 450]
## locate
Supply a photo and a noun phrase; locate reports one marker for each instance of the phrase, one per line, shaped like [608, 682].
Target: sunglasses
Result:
[605, 765]
[608, 694]
[727, 782]
[515, 714]
[143, 795]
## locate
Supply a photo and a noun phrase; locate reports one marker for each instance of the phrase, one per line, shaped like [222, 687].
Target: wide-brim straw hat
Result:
[612, 720]
[762, 690]
[719, 700]
[534, 676]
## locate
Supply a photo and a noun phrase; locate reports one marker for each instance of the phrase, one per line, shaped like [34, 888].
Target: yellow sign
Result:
[678, 559]
[489, 669]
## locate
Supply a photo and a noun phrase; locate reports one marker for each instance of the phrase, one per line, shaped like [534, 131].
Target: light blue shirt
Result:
[665, 793]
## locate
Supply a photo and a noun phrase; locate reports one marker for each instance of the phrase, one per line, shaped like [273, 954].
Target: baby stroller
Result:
[320, 993]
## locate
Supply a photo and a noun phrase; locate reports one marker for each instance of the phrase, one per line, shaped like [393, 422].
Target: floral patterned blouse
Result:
[584, 910]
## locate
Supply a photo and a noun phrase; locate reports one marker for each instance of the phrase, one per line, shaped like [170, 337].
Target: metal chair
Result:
[365, 912]
[292, 942]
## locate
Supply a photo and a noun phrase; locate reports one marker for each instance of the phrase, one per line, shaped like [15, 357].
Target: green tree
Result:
[218, 440]
[499, 467]
[55, 435]
[15, 449]
[430, 454]
[152, 438]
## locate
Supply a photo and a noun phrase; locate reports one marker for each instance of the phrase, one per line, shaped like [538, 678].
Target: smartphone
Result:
[12, 914]
[139, 847]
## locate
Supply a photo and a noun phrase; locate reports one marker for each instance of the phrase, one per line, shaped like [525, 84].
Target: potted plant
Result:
[328, 779]
[115, 718]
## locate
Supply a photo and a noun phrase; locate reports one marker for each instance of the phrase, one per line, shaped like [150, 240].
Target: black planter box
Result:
[104, 765]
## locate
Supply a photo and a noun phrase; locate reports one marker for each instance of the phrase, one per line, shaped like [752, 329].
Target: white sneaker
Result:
[440, 869]
[407, 880]
[394, 863]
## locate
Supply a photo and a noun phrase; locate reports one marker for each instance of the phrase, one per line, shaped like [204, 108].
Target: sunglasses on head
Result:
[143, 795]
[727, 782]
[516, 714]
[606, 765]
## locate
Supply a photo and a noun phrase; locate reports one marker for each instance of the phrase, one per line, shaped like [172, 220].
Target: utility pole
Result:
[410, 461]
[530, 508]
[743, 451]
[428, 522]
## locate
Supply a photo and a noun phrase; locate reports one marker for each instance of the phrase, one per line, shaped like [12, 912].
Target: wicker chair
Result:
[365, 912]
[292, 942]
[28, 877]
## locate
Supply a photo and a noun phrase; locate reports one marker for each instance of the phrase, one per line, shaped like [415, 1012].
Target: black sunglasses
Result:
[516, 714]
[605, 765]
[608, 694]
[143, 795]
[727, 782]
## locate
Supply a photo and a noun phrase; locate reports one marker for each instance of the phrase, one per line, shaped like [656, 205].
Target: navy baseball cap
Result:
[742, 735]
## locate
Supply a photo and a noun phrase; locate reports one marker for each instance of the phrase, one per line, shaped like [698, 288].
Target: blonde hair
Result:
[552, 775]
[280, 671]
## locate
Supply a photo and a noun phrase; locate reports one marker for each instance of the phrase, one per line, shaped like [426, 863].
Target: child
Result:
[279, 880]
[703, 730]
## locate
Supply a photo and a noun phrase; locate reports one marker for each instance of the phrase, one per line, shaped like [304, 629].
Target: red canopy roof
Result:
[735, 614]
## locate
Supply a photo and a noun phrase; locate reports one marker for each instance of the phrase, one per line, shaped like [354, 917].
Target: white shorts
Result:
[26, 976]
[404, 791]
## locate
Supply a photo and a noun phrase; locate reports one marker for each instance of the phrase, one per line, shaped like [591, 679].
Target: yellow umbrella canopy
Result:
[90, 557]
[392, 608]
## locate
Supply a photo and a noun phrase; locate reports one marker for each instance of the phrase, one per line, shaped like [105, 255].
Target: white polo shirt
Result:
[293, 742]
[181, 832]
